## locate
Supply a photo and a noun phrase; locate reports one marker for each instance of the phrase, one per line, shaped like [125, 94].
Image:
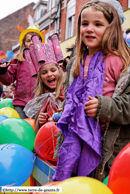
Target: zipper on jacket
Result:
[99, 175]
[107, 125]
[113, 143]
[125, 93]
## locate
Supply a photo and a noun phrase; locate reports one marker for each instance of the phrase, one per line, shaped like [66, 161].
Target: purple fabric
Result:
[80, 152]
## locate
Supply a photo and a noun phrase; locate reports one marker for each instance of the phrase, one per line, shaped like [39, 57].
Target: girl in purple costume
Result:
[100, 49]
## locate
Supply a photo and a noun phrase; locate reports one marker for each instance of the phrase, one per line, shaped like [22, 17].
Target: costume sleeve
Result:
[43, 110]
[116, 109]
[9, 75]
[3, 70]
[115, 62]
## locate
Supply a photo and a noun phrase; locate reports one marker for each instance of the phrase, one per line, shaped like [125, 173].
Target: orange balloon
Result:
[45, 141]
[51, 184]
[119, 176]
[31, 122]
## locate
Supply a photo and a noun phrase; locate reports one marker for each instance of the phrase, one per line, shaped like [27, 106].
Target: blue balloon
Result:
[16, 164]
[10, 55]
[3, 117]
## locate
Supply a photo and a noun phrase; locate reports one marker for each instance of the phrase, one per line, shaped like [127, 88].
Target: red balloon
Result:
[45, 141]
[119, 176]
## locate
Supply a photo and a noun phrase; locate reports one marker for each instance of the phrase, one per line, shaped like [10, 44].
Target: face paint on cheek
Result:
[81, 32]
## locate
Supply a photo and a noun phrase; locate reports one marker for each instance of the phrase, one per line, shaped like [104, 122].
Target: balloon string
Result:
[44, 143]
[51, 166]
[52, 137]
[34, 159]
[49, 176]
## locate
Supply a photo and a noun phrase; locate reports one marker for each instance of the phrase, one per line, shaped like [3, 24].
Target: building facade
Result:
[61, 17]
[9, 33]
[56, 16]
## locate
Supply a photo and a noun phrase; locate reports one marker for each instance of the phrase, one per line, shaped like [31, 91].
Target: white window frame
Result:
[51, 4]
[70, 14]
[128, 3]
[49, 34]
[38, 12]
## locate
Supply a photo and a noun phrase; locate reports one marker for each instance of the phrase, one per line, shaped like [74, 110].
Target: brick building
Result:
[69, 17]
[56, 16]
[61, 17]
[9, 33]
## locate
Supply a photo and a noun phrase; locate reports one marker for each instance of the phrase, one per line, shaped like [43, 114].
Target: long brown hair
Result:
[19, 56]
[112, 40]
[40, 86]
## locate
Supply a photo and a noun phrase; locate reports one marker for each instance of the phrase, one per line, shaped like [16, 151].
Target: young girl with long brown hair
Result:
[100, 90]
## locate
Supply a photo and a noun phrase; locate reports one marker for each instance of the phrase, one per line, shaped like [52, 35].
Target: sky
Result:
[9, 6]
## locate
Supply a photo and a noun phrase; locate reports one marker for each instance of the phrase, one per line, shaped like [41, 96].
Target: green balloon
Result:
[6, 103]
[18, 131]
[106, 180]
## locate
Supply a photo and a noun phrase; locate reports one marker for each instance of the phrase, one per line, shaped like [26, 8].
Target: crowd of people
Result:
[94, 94]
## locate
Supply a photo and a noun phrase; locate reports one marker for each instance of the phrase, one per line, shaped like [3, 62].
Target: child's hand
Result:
[4, 64]
[59, 110]
[91, 106]
[43, 118]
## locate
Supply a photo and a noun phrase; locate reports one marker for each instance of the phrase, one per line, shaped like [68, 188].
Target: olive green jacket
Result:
[116, 111]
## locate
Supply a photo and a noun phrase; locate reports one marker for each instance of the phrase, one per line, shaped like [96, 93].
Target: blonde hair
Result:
[112, 40]
[19, 56]
[40, 86]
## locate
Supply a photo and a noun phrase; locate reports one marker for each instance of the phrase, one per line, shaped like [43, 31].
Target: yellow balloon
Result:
[9, 112]
[83, 185]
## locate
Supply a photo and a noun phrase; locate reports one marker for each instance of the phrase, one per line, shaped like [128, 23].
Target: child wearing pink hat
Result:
[49, 92]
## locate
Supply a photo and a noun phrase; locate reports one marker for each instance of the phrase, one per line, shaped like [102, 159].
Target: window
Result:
[51, 4]
[49, 34]
[128, 3]
[70, 18]
[37, 14]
